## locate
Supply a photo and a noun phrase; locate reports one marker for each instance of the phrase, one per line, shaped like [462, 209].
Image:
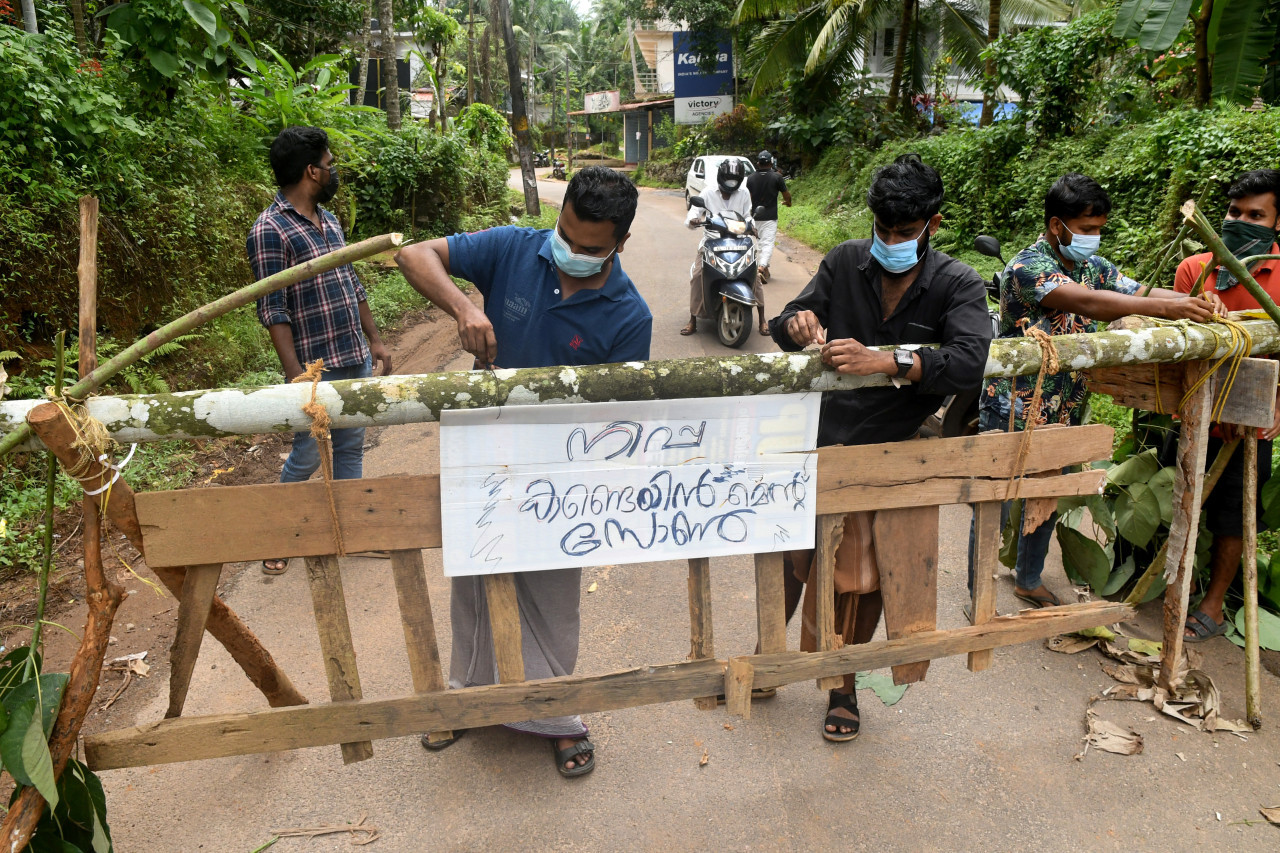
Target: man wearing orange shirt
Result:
[1253, 217]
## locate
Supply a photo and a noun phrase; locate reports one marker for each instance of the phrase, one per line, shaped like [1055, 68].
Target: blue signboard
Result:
[690, 81]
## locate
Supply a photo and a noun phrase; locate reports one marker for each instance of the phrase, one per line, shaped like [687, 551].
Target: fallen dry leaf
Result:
[1181, 756]
[1272, 814]
[728, 727]
[1070, 644]
[594, 586]
[139, 667]
[706, 756]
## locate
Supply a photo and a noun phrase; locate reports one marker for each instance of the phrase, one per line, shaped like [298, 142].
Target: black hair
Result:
[1257, 182]
[294, 150]
[601, 194]
[1075, 195]
[906, 190]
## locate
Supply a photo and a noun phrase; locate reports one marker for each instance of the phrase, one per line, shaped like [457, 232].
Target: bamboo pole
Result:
[1252, 664]
[387, 400]
[184, 324]
[1223, 256]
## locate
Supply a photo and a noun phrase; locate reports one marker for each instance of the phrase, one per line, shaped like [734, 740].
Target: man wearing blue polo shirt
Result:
[550, 298]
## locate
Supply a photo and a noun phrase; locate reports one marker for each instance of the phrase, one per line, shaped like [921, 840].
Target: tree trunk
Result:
[900, 56]
[29, 17]
[390, 74]
[388, 400]
[1204, 72]
[471, 54]
[77, 22]
[993, 33]
[519, 116]
[366, 48]
[442, 75]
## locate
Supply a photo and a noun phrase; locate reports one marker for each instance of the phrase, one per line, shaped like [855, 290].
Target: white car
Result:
[703, 172]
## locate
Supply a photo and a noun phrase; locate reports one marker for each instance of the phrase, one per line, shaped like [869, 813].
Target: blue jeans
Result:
[1033, 547]
[348, 444]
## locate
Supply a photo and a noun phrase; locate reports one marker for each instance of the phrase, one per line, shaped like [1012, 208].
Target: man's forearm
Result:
[427, 274]
[282, 340]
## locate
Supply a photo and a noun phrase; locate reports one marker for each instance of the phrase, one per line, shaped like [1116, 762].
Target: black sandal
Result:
[436, 746]
[581, 746]
[846, 702]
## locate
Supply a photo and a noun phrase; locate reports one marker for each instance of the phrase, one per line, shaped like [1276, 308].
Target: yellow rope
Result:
[320, 432]
[1239, 344]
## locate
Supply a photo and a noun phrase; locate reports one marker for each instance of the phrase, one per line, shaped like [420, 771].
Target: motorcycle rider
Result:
[732, 195]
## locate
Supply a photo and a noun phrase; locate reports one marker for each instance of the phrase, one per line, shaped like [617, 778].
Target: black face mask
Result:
[1243, 239]
[330, 189]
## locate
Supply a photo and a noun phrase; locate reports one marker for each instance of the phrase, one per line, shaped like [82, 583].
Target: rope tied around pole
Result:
[1049, 363]
[1239, 344]
[320, 421]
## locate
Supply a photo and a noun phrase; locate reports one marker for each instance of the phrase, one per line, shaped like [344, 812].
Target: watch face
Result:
[903, 357]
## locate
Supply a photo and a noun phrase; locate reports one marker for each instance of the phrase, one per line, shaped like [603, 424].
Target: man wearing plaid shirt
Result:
[322, 317]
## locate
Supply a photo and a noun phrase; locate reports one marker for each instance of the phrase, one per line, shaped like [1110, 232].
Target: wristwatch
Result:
[905, 361]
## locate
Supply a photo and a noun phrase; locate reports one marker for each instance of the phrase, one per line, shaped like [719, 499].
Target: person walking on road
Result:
[765, 185]
[893, 289]
[557, 297]
[326, 317]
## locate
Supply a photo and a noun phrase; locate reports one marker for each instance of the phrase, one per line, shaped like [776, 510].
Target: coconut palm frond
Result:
[1024, 13]
[832, 37]
[963, 33]
[767, 10]
[782, 47]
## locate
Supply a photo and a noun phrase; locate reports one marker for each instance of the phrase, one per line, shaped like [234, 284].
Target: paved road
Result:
[965, 761]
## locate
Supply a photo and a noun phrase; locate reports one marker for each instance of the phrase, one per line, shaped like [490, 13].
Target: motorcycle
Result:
[729, 272]
[542, 159]
[959, 412]
[557, 170]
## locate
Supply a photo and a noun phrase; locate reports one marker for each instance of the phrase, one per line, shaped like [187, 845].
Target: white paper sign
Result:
[551, 487]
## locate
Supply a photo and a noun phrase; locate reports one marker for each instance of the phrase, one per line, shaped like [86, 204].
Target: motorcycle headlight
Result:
[737, 227]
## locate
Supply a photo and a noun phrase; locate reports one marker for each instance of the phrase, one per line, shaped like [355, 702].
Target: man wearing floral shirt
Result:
[1061, 286]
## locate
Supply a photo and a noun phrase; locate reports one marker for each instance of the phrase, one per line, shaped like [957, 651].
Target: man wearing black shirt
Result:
[890, 290]
[764, 186]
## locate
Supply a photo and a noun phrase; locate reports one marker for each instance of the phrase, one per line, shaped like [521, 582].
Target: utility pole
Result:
[519, 116]
[568, 121]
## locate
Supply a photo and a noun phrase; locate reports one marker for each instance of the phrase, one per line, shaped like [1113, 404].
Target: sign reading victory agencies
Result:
[700, 95]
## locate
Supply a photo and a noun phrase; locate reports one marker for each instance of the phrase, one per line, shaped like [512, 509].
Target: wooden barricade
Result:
[905, 482]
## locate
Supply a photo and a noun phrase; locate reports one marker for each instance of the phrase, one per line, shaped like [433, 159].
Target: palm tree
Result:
[824, 41]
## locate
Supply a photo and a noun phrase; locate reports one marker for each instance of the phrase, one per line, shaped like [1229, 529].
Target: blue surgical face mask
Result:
[899, 257]
[1082, 246]
[572, 264]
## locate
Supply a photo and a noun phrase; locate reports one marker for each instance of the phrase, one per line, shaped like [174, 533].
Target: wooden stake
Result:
[1192, 446]
[198, 590]
[1252, 664]
[771, 606]
[419, 626]
[330, 604]
[51, 426]
[504, 622]
[738, 676]
[986, 559]
[701, 635]
[906, 542]
[823, 575]
[88, 275]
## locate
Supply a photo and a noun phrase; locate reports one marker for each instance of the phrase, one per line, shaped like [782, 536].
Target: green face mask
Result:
[1245, 238]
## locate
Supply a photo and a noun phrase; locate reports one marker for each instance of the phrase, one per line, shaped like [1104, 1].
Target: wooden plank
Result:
[990, 454]
[823, 576]
[504, 622]
[701, 636]
[855, 497]
[222, 735]
[907, 553]
[771, 606]
[1180, 562]
[198, 590]
[1135, 385]
[325, 578]
[737, 687]
[419, 626]
[986, 562]
[1251, 400]
[404, 512]
[288, 519]
[1252, 661]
